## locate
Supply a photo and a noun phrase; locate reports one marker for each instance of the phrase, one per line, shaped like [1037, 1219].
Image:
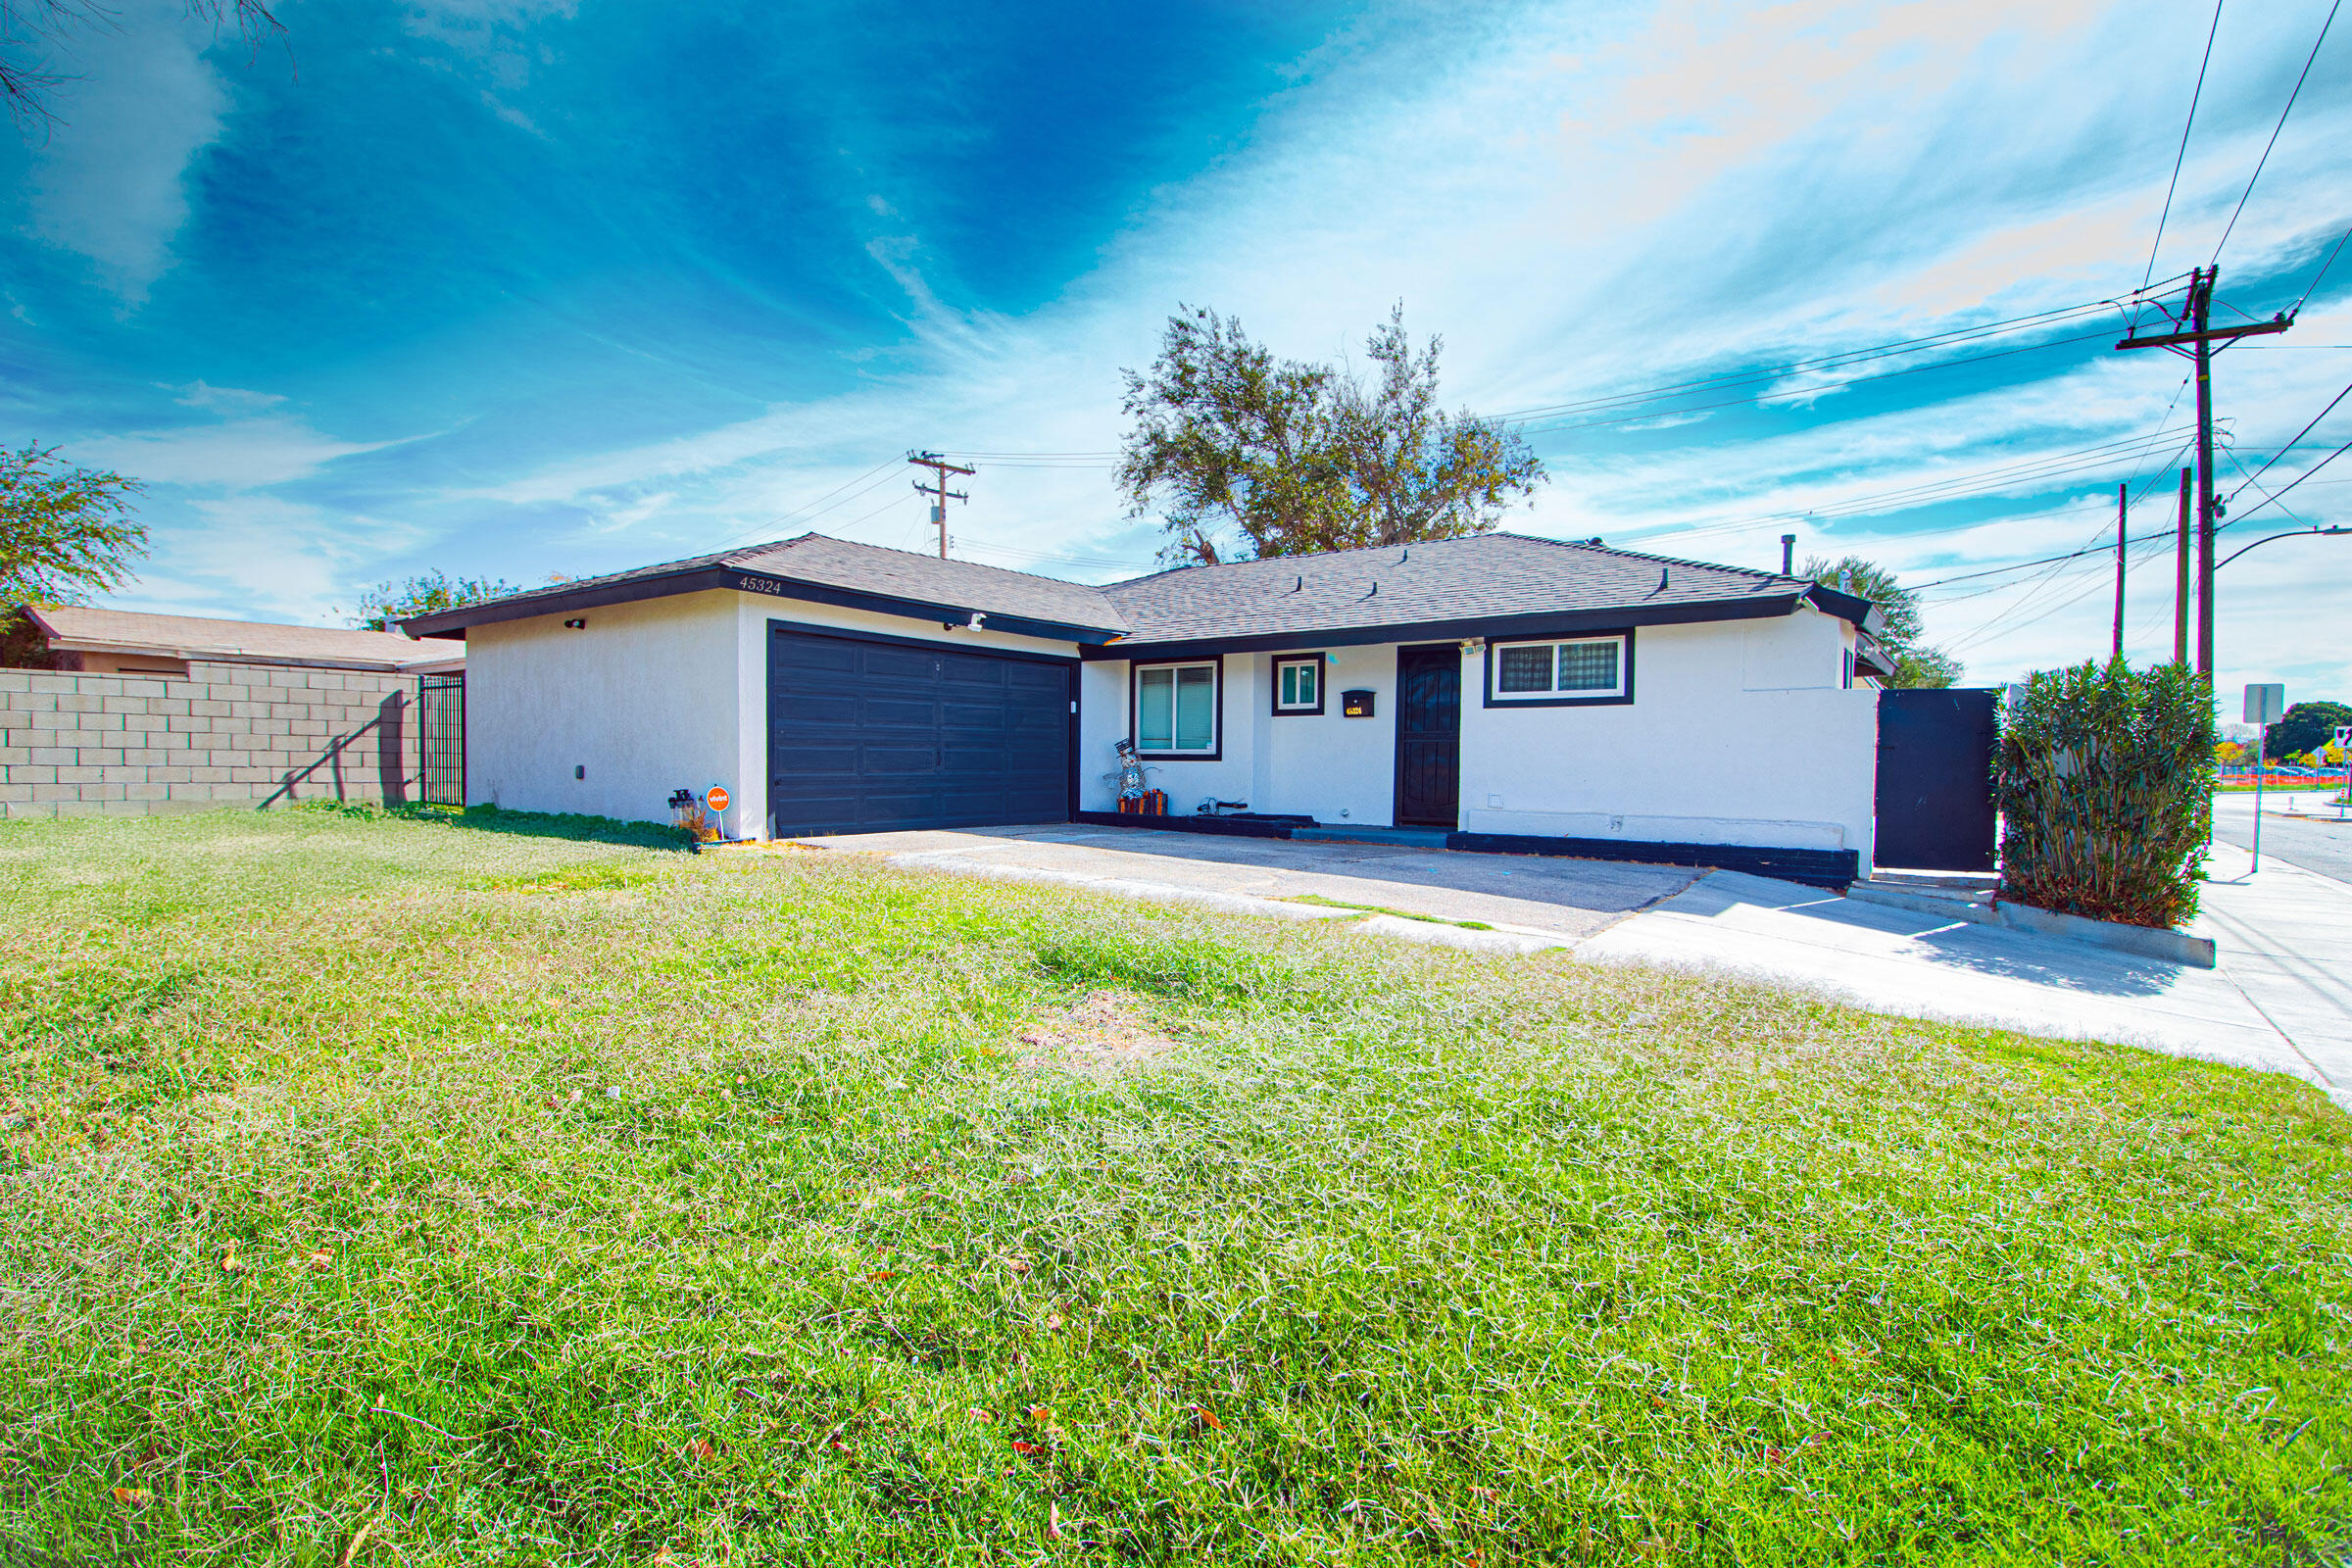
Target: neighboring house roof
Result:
[827, 571]
[81, 629]
[1486, 583]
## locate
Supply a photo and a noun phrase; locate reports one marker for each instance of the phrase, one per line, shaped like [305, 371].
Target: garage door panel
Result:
[874, 737]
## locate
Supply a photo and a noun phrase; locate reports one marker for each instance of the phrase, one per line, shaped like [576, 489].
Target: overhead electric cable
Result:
[2276, 129]
[2308, 288]
[2271, 498]
[2297, 436]
[2174, 184]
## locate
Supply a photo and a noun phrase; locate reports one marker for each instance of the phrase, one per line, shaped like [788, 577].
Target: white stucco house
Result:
[1491, 691]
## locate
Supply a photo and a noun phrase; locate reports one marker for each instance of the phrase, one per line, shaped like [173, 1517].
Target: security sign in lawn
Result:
[716, 798]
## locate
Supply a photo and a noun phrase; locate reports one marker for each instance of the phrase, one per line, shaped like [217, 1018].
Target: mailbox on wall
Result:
[1356, 705]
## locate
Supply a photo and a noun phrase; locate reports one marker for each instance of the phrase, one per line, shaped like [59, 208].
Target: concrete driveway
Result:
[1529, 901]
[2273, 1004]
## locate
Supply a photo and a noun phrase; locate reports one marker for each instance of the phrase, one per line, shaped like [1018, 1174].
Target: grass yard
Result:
[397, 1192]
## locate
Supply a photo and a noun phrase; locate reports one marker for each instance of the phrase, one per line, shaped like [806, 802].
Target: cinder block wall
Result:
[246, 735]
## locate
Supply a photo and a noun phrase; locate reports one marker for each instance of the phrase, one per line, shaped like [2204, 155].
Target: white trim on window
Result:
[1561, 669]
[1299, 684]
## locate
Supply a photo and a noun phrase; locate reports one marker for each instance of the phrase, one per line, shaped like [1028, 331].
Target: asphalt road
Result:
[2325, 847]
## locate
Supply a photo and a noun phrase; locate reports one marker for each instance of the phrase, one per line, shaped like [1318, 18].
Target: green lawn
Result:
[407, 1192]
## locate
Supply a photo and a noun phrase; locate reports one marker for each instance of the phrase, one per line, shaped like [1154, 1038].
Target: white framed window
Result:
[1298, 683]
[1561, 670]
[1176, 710]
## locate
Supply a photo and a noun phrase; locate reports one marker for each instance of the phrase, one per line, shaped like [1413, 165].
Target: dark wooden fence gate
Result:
[441, 738]
[1934, 803]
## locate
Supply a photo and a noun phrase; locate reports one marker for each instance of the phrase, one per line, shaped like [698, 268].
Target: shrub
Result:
[2104, 779]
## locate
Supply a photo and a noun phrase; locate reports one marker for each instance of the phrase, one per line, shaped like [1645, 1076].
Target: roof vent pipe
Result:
[1662, 570]
[1299, 586]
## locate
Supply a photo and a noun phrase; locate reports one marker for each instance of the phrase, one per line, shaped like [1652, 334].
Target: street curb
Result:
[2149, 942]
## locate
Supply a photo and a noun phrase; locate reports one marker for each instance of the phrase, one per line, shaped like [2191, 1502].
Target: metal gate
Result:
[441, 738]
[1935, 779]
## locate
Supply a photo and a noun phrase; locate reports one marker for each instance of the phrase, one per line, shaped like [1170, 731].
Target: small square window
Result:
[1298, 685]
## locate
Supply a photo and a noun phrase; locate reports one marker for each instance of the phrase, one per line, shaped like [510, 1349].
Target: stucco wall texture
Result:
[227, 734]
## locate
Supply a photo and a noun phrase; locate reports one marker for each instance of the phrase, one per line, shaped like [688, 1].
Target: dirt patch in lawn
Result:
[1102, 1036]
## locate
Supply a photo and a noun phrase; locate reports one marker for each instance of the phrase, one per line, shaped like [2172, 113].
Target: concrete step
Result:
[1954, 903]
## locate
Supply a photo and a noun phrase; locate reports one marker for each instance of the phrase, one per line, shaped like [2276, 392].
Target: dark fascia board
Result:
[444, 622]
[1848, 607]
[1761, 607]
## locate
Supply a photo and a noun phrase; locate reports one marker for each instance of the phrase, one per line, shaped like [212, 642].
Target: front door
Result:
[1429, 736]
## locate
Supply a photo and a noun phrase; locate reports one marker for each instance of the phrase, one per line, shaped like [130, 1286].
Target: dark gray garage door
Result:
[873, 737]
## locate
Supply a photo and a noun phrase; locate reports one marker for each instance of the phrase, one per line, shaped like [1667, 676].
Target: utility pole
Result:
[2122, 508]
[2201, 336]
[2181, 582]
[938, 490]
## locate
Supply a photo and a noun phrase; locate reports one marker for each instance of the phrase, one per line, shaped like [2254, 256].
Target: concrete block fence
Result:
[227, 735]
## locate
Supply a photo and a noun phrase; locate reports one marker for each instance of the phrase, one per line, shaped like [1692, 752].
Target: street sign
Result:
[716, 798]
[2266, 704]
[2344, 734]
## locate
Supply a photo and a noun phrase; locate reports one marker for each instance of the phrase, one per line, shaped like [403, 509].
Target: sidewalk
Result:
[2285, 938]
[1927, 966]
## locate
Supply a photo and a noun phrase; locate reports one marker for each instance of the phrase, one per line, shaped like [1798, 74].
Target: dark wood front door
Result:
[1429, 736]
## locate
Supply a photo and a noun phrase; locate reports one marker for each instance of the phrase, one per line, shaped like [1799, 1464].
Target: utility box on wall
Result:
[1356, 705]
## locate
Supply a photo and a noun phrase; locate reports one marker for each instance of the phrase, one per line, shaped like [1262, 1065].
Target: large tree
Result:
[65, 534]
[1243, 454]
[389, 601]
[1915, 662]
[2305, 728]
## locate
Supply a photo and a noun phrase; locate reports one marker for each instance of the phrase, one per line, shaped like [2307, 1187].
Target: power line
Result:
[1812, 391]
[2271, 498]
[1933, 340]
[822, 503]
[2175, 182]
[2275, 129]
[1959, 487]
[2322, 272]
[2297, 436]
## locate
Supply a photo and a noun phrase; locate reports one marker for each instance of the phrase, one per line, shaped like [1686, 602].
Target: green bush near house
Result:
[2104, 779]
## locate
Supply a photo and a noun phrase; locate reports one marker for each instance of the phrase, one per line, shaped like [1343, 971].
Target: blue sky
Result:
[511, 287]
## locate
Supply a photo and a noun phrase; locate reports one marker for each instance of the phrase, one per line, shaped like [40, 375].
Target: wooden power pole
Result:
[2123, 509]
[2181, 580]
[938, 490]
[2198, 340]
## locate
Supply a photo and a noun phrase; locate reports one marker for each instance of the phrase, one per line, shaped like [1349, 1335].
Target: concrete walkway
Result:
[2285, 939]
[2281, 999]
[1529, 903]
[1927, 966]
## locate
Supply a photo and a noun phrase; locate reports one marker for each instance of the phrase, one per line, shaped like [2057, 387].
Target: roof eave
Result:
[1534, 624]
[449, 622]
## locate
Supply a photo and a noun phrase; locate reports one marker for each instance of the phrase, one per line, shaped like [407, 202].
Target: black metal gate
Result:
[1935, 801]
[441, 738]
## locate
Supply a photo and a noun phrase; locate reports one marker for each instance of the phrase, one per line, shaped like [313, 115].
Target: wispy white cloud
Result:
[249, 453]
[139, 102]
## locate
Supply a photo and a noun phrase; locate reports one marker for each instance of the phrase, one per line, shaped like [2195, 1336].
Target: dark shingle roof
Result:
[1486, 576]
[1481, 576]
[829, 562]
